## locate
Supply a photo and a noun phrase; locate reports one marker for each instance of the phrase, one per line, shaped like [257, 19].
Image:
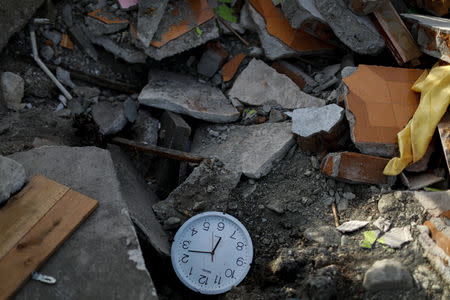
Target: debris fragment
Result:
[370, 238]
[98, 27]
[128, 3]
[230, 68]
[184, 94]
[212, 59]
[148, 22]
[382, 223]
[356, 32]
[431, 34]
[418, 181]
[12, 88]
[254, 149]
[384, 106]
[145, 129]
[437, 8]
[396, 237]
[387, 274]
[351, 226]
[440, 235]
[326, 235]
[109, 117]
[396, 35]
[356, 168]
[66, 42]
[12, 176]
[259, 84]
[364, 7]
[436, 203]
[444, 135]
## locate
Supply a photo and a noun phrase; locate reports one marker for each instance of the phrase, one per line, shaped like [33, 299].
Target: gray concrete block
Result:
[148, 23]
[260, 84]
[98, 28]
[102, 258]
[356, 32]
[315, 120]
[254, 149]
[387, 274]
[12, 88]
[12, 177]
[128, 53]
[145, 129]
[109, 117]
[185, 95]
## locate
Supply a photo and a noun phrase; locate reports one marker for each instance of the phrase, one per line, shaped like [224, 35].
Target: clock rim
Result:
[178, 234]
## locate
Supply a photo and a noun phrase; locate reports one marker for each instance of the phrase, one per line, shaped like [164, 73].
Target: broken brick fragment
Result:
[355, 168]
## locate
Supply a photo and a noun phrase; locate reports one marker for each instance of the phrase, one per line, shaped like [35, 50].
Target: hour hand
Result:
[197, 251]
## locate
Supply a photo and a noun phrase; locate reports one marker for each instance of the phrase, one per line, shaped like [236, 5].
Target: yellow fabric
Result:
[414, 139]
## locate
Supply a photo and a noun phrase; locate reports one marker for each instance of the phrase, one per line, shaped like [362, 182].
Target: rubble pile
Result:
[322, 125]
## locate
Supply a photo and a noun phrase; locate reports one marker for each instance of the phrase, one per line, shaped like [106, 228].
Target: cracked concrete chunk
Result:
[436, 203]
[315, 120]
[97, 27]
[12, 177]
[98, 249]
[150, 14]
[109, 117]
[128, 53]
[145, 129]
[351, 226]
[185, 95]
[387, 274]
[356, 32]
[254, 149]
[12, 88]
[259, 84]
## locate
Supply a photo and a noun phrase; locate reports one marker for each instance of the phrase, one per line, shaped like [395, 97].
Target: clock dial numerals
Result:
[212, 253]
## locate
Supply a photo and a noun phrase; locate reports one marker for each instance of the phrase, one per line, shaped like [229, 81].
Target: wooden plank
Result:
[397, 36]
[26, 208]
[160, 151]
[42, 240]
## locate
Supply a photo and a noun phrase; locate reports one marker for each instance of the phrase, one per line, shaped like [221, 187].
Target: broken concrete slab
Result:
[126, 52]
[303, 15]
[12, 88]
[150, 14]
[185, 95]
[297, 75]
[105, 245]
[418, 181]
[378, 111]
[277, 37]
[356, 168]
[14, 15]
[356, 32]
[436, 203]
[139, 198]
[351, 226]
[12, 178]
[145, 129]
[396, 237]
[212, 59]
[387, 274]
[98, 28]
[432, 34]
[364, 7]
[109, 117]
[318, 128]
[396, 35]
[259, 84]
[254, 149]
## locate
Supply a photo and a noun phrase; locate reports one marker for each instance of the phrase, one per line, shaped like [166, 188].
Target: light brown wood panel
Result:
[26, 208]
[42, 240]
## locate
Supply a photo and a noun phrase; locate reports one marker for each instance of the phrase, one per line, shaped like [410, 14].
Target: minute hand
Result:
[217, 244]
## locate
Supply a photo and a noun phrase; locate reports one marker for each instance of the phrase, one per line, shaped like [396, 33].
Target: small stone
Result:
[349, 196]
[276, 206]
[275, 116]
[351, 226]
[326, 235]
[12, 177]
[387, 274]
[172, 223]
[64, 77]
[342, 205]
[47, 52]
[11, 88]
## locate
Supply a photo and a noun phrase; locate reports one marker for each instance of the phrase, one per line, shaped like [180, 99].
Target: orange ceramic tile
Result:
[230, 68]
[105, 17]
[199, 13]
[278, 26]
[441, 239]
[355, 167]
[66, 42]
[381, 101]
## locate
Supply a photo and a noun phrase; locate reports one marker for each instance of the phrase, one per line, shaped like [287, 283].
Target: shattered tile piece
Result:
[418, 181]
[383, 224]
[179, 18]
[436, 203]
[278, 26]
[396, 237]
[230, 68]
[441, 237]
[212, 59]
[379, 105]
[356, 32]
[432, 34]
[66, 42]
[296, 74]
[356, 168]
[396, 35]
[444, 135]
[351, 226]
[185, 95]
[259, 84]
[253, 149]
[370, 238]
[150, 14]
[303, 15]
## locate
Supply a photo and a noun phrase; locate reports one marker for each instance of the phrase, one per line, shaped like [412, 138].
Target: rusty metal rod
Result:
[159, 151]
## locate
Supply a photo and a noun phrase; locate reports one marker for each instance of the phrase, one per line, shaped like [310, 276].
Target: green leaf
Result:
[226, 13]
[199, 31]
[369, 239]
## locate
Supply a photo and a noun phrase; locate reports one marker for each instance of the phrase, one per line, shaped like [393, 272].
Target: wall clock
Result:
[212, 252]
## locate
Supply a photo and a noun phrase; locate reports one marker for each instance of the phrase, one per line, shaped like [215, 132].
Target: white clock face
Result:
[212, 252]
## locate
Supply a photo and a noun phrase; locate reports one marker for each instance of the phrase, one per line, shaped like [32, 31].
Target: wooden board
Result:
[47, 234]
[23, 210]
